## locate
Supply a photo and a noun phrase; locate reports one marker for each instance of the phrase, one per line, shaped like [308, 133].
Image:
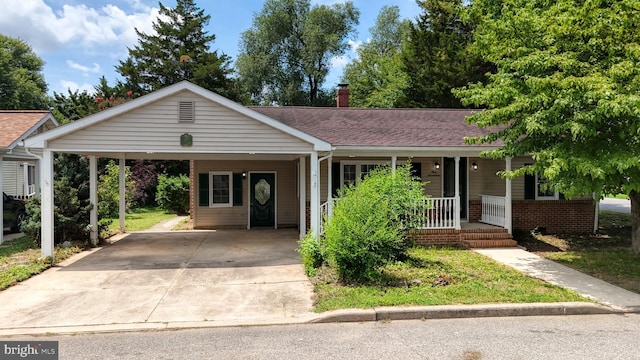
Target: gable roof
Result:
[15, 125]
[40, 140]
[380, 127]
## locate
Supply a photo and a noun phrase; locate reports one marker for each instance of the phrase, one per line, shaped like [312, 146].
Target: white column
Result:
[394, 160]
[302, 191]
[46, 212]
[25, 180]
[1, 198]
[121, 194]
[596, 220]
[93, 198]
[507, 200]
[329, 188]
[457, 187]
[37, 176]
[315, 192]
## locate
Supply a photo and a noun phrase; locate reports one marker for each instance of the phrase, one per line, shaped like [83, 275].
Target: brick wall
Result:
[556, 216]
[475, 210]
[436, 236]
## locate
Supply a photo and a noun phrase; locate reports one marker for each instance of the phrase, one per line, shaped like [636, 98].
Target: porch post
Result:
[302, 192]
[37, 177]
[46, 212]
[93, 198]
[394, 160]
[121, 193]
[507, 200]
[457, 187]
[1, 199]
[329, 188]
[25, 180]
[315, 201]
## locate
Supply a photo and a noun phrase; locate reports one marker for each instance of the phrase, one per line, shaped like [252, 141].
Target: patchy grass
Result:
[140, 219]
[185, 224]
[606, 255]
[19, 260]
[438, 276]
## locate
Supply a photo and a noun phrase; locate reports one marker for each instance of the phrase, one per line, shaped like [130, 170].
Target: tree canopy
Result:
[376, 77]
[566, 91]
[286, 54]
[158, 60]
[22, 85]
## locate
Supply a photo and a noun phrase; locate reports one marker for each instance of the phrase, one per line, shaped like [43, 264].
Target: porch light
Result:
[474, 166]
[436, 165]
[244, 175]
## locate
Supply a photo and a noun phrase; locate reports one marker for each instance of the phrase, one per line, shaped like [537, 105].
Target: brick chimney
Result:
[343, 95]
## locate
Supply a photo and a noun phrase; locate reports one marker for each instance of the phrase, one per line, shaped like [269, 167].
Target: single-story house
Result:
[18, 171]
[255, 167]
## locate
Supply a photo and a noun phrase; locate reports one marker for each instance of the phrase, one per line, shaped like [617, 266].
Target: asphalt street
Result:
[544, 337]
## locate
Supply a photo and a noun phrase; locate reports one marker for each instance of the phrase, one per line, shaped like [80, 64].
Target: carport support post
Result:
[46, 213]
[121, 193]
[1, 199]
[315, 201]
[302, 186]
[93, 198]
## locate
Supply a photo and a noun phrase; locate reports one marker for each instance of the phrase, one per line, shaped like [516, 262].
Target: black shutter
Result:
[237, 189]
[203, 189]
[529, 186]
[416, 170]
[335, 178]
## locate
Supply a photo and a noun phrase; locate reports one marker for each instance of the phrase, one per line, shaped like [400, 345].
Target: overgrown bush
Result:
[370, 223]
[309, 250]
[145, 177]
[109, 192]
[172, 194]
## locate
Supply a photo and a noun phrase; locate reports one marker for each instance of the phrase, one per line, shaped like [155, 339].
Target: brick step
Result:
[489, 243]
[485, 236]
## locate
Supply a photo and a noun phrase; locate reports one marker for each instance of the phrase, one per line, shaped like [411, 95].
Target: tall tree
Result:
[376, 77]
[22, 84]
[157, 60]
[565, 91]
[437, 57]
[286, 54]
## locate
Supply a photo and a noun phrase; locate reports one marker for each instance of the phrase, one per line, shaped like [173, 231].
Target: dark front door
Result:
[449, 180]
[263, 199]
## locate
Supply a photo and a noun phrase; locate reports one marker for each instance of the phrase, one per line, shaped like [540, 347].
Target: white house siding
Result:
[155, 128]
[12, 178]
[286, 194]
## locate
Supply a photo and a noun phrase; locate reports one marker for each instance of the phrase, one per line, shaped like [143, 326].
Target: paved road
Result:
[620, 205]
[555, 337]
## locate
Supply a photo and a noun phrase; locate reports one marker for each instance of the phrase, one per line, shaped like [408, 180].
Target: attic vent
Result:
[186, 111]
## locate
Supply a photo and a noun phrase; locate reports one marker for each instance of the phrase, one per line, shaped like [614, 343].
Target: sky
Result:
[82, 40]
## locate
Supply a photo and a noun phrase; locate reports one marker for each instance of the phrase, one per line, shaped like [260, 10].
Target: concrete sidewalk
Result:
[557, 274]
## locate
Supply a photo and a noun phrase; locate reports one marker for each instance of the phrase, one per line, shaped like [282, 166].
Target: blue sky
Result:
[83, 40]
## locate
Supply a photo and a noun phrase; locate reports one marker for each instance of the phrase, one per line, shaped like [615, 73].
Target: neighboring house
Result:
[18, 167]
[274, 167]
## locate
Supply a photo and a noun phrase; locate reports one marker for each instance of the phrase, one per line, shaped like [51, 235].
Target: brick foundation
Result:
[555, 216]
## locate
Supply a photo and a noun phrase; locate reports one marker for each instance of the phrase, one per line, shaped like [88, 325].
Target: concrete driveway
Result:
[191, 278]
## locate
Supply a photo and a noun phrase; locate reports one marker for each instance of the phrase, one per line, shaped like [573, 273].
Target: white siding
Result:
[12, 177]
[155, 128]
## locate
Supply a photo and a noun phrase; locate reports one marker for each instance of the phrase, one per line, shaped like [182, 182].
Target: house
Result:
[255, 167]
[17, 166]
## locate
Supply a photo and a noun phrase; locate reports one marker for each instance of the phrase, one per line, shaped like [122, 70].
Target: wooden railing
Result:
[436, 213]
[493, 210]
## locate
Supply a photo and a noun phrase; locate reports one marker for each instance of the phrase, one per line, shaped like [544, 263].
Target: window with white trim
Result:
[220, 189]
[542, 191]
[352, 172]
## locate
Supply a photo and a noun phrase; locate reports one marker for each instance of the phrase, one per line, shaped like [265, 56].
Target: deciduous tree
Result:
[22, 85]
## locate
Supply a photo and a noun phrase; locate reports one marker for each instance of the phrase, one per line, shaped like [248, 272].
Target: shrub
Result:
[370, 223]
[109, 192]
[145, 177]
[172, 194]
[309, 250]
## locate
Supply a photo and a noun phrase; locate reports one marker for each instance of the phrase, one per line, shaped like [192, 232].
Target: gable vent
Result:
[186, 111]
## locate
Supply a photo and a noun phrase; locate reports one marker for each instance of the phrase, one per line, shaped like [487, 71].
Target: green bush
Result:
[309, 250]
[172, 194]
[109, 191]
[370, 223]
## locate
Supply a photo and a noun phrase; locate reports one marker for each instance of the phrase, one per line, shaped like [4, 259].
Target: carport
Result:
[183, 122]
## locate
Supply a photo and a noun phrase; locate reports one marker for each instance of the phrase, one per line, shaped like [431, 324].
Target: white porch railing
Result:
[325, 209]
[493, 210]
[436, 213]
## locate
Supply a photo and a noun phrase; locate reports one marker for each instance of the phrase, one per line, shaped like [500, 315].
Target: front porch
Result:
[470, 235]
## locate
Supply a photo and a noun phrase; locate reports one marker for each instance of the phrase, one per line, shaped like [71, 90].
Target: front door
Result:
[449, 185]
[263, 199]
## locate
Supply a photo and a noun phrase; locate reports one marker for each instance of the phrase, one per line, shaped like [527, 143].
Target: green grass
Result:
[19, 260]
[606, 255]
[141, 219]
[438, 276]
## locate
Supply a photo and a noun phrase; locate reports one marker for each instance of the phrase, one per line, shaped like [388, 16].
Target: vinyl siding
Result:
[155, 128]
[12, 178]
[237, 216]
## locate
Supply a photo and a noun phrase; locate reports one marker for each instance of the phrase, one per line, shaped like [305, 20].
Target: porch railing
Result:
[493, 210]
[31, 190]
[436, 213]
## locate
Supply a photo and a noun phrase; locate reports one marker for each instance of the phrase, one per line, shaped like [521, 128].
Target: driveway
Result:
[228, 277]
[619, 205]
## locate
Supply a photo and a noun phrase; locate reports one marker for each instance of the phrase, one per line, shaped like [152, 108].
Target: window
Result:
[220, 189]
[542, 192]
[352, 171]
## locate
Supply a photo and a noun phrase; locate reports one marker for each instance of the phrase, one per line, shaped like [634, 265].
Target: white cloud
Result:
[73, 86]
[85, 69]
[46, 30]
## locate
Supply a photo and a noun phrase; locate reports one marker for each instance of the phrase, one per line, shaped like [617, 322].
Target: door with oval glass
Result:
[263, 199]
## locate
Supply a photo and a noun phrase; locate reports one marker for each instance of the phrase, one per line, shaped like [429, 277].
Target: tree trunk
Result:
[635, 221]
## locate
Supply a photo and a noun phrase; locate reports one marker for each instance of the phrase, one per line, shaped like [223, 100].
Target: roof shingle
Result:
[14, 123]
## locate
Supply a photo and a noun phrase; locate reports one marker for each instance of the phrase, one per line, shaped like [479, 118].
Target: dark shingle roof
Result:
[378, 127]
[14, 123]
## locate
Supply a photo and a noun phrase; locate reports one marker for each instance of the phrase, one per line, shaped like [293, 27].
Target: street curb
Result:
[466, 311]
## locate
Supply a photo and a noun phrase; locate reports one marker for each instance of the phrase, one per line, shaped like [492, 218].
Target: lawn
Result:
[141, 219]
[438, 276]
[606, 255]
